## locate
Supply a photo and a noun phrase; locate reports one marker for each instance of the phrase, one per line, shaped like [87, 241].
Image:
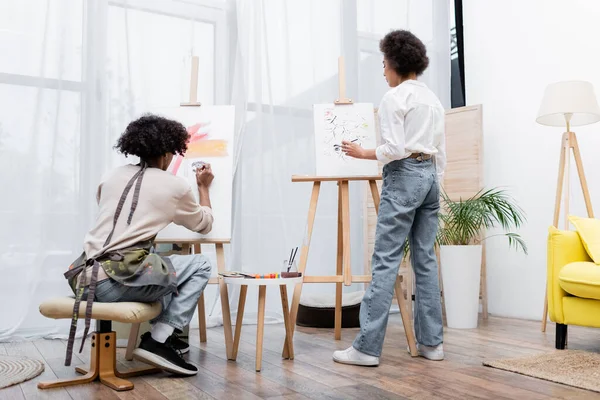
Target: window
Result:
[156, 39]
[40, 102]
[378, 17]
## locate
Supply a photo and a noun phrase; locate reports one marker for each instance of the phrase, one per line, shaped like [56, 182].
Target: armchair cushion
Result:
[564, 247]
[581, 279]
[589, 232]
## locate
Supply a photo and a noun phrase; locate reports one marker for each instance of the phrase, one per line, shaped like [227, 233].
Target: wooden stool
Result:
[103, 357]
[260, 327]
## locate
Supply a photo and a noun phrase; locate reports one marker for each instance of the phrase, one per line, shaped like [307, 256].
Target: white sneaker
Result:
[431, 353]
[352, 356]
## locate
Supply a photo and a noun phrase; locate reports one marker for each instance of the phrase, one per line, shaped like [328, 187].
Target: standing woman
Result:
[413, 151]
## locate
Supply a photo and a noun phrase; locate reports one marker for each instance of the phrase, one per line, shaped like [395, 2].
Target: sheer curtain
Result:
[72, 75]
[286, 60]
[42, 81]
[75, 72]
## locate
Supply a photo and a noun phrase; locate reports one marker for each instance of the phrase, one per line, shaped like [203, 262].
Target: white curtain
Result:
[286, 60]
[75, 72]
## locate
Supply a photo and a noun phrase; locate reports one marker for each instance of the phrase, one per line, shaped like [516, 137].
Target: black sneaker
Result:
[163, 356]
[178, 344]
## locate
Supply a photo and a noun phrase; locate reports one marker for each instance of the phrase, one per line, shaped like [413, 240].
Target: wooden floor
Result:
[312, 375]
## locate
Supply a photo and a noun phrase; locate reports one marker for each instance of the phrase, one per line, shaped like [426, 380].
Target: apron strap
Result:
[137, 179]
[78, 293]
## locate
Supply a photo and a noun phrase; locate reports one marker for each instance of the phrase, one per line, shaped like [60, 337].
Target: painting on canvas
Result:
[336, 123]
[211, 130]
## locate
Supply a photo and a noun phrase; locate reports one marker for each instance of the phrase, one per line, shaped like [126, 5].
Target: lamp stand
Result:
[568, 144]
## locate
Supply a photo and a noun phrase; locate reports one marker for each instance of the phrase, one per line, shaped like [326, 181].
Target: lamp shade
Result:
[569, 97]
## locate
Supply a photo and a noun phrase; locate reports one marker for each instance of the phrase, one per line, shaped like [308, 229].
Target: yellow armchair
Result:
[573, 284]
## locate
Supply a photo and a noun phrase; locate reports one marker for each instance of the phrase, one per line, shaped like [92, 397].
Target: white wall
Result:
[513, 49]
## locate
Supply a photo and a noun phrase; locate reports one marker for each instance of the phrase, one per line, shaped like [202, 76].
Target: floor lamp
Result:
[571, 103]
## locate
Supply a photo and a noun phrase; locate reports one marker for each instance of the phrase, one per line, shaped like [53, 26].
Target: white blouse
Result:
[411, 120]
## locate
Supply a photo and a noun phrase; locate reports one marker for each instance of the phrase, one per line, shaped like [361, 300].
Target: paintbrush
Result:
[293, 256]
[290, 259]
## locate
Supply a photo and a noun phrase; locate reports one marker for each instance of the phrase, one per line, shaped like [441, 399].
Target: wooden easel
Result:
[193, 85]
[568, 144]
[195, 244]
[186, 247]
[343, 267]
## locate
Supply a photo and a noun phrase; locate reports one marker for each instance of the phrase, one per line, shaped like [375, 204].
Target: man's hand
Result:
[204, 176]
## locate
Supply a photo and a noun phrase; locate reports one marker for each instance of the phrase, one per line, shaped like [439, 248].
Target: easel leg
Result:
[409, 281]
[557, 200]
[225, 310]
[201, 304]
[375, 194]
[339, 269]
[202, 318]
[406, 322]
[346, 232]
[312, 211]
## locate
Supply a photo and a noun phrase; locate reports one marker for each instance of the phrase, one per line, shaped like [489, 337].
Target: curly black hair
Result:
[404, 52]
[152, 136]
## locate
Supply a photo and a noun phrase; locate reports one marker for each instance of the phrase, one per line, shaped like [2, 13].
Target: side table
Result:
[262, 294]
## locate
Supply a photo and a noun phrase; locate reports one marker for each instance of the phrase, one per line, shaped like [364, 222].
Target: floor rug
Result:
[15, 370]
[576, 368]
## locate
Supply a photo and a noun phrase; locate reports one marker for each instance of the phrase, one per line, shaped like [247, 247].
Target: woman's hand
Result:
[352, 149]
[204, 176]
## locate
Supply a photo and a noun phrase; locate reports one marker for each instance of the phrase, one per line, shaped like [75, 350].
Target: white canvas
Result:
[335, 123]
[212, 141]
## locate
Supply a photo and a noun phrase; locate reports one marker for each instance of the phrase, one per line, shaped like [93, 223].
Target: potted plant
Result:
[462, 227]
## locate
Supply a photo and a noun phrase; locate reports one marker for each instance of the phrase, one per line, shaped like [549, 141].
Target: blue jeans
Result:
[408, 209]
[193, 273]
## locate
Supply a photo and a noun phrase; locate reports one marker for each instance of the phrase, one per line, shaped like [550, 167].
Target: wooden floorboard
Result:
[29, 388]
[313, 375]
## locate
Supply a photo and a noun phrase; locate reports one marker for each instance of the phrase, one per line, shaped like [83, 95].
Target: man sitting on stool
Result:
[118, 263]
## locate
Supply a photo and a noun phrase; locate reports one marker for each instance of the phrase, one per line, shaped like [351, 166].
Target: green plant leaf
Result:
[462, 222]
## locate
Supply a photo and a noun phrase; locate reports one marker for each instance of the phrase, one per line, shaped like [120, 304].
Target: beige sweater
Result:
[164, 199]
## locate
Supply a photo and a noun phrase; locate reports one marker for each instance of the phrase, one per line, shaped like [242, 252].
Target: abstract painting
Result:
[336, 123]
[211, 130]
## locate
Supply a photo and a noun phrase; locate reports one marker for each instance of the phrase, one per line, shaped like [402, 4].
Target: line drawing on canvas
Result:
[343, 124]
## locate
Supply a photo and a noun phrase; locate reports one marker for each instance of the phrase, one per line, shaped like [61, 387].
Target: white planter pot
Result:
[461, 276]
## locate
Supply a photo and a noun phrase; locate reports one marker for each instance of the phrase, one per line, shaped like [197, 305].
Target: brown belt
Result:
[420, 156]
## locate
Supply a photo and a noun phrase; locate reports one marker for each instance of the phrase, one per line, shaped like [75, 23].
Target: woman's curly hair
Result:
[152, 136]
[404, 52]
